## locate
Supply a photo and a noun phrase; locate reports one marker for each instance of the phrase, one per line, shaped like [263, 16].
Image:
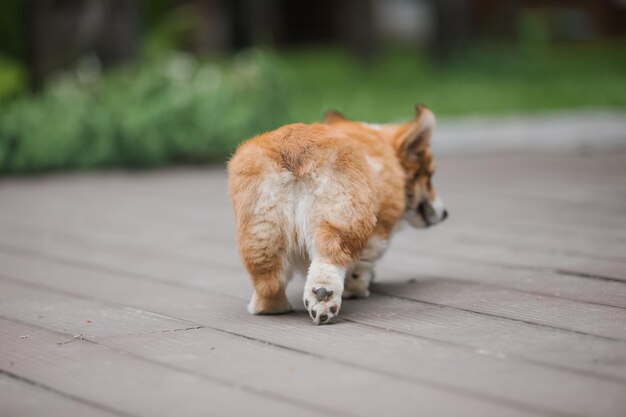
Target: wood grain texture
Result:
[516, 306]
[243, 362]
[23, 398]
[402, 267]
[551, 311]
[477, 372]
[580, 317]
[121, 383]
[537, 343]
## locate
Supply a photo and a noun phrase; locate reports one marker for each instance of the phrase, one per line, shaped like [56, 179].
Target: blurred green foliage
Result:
[168, 31]
[13, 79]
[169, 110]
[13, 74]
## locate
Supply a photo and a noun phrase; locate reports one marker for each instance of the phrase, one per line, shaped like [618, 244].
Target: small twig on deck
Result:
[76, 337]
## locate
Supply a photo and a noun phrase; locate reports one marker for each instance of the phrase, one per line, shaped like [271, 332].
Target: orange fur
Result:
[321, 192]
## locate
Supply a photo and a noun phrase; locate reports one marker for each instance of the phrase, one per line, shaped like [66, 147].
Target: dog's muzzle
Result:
[432, 213]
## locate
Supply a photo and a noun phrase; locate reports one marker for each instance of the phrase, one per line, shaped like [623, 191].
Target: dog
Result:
[324, 199]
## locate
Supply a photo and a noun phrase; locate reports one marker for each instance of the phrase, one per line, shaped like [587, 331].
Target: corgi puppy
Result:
[324, 199]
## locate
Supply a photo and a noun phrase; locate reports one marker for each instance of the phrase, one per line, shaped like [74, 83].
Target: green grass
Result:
[485, 80]
[175, 109]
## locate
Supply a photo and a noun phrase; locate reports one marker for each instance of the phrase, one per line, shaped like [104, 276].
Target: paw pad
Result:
[323, 304]
[322, 294]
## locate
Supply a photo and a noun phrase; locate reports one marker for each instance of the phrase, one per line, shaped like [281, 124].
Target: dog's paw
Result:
[322, 303]
[358, 280]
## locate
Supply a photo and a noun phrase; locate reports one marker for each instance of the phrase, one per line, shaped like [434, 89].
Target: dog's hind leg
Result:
[342, 218]
[262, 246]
[335, 250]
[264, 258]
[269, 293]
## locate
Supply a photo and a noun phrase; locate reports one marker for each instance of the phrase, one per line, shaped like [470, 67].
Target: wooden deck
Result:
[122, 295]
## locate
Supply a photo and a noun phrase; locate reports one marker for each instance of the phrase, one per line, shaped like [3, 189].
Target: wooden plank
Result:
[84, 317]
[184, 247]
[354, 391]
[413, 359]
[551, 241]
[488, 211]
[123, 383]
[207, 252]
[513, 255]
[118, 216]
[588, 169]
[580, 317]
[152, 220]
[450, 366]
[487, 252]
[20, 398]
[135, 261]
[218, 190]
[574, 194]
[538, 339]
[398, 268]
[205, 248]
[493, 335]
[537, 227]
[544, 311]
[572, 198]
[482, 209]
[526, 237]
[241, 362]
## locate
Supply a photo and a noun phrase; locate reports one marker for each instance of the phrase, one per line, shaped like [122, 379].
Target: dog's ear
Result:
[414, 137]
[333, 116]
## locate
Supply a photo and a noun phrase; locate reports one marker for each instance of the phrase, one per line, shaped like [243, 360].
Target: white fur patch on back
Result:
[296, 206]
[376, 166]
[374, 126]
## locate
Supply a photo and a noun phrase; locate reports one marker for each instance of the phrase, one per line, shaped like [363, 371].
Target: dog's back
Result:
[297, 183]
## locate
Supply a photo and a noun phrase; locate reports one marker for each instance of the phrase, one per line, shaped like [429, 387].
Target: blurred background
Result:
[89, 84]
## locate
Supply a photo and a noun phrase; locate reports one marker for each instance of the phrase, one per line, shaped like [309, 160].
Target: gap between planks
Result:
[185, 288]
[468, 394]
[203, 272]
[436, 385]
[233, 264]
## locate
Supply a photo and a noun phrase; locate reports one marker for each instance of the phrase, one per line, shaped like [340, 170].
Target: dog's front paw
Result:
[358, 280]
[322, 303]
